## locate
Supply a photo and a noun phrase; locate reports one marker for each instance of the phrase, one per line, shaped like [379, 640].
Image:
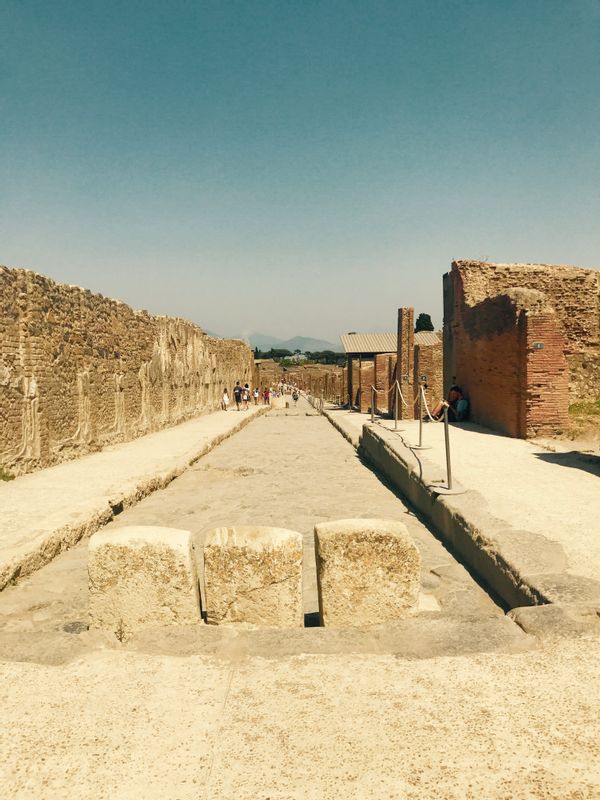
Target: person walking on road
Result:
[225, 400]
[267, 396]
[237, 394]
[256, 393]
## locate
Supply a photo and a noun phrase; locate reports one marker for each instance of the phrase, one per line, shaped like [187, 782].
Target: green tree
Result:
[276, 353]
[424, 323]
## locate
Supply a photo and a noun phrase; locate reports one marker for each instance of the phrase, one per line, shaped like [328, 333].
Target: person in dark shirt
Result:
[457, 404]
[237, 394]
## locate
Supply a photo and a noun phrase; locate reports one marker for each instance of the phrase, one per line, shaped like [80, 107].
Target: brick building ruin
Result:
[79, 371]
[523, 341]
[379, 359]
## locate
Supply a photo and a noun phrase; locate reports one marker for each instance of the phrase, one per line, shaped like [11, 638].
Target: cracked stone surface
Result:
[368, 571]
[253, 576]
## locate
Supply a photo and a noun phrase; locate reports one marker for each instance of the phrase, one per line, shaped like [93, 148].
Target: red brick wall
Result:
[384, 380]
[429, 362]
[572, 292]
[547, 376]
[488, 351]
[355, 400]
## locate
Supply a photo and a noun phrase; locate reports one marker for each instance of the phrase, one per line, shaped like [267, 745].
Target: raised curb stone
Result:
[253, 576]
[141, 577]
[368, 572]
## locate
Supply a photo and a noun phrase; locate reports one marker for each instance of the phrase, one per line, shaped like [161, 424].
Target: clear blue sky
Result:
[295, 167]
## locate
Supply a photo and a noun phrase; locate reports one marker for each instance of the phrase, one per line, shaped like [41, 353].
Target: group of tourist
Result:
[243, 395]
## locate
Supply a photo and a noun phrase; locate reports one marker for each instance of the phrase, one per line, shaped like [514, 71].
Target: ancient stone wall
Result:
[80, 371]
[269, 374]
[321, 380]
[522, 352]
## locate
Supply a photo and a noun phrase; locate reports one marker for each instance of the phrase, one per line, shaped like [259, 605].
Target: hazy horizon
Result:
[296, 169]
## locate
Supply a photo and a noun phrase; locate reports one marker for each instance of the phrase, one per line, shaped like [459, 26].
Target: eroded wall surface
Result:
[523, 341]
[79, 371]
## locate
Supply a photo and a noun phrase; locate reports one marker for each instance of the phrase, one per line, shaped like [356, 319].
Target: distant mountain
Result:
[303, 343]
[307, 344]
[262, 341]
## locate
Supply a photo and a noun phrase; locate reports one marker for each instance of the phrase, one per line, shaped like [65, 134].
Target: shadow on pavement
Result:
[575, 459]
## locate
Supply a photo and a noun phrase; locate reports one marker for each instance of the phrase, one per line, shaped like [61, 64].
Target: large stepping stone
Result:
[141, 577]
[368, 572]
[253, 576]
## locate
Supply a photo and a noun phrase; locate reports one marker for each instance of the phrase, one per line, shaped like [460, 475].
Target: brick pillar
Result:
[429, 362]
[405, 362]
[382, 382]
[367, 376]
[546, 393]
[354, 381]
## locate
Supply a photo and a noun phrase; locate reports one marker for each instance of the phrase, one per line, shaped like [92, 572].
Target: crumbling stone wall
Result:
[523, 341]
[80, 371]
[269, 373]
[320, 380]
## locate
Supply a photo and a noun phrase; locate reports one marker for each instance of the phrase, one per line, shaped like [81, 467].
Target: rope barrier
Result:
[433, 419]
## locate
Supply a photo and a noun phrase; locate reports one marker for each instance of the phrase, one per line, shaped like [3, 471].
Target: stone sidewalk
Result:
[534, 512]
[46, 512]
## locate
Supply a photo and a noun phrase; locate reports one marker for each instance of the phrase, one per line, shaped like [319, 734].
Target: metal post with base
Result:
[420, 446]
[450, 488]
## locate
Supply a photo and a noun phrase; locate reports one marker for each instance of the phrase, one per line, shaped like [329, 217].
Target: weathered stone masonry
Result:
[79, 371]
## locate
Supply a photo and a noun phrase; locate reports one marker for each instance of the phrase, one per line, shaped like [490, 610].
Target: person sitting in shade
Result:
[457, 404]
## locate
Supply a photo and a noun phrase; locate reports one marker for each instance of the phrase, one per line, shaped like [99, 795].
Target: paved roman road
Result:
[292, 470]
[287, 469]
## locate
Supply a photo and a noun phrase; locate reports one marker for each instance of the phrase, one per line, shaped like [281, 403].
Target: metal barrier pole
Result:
[422, 401]
[420, 416]
[447, 439]
[396, 406]
[372, 404]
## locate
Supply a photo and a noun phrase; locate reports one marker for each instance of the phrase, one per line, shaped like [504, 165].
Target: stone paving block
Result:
[141, 577]
[253, 576]
[368, 571]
